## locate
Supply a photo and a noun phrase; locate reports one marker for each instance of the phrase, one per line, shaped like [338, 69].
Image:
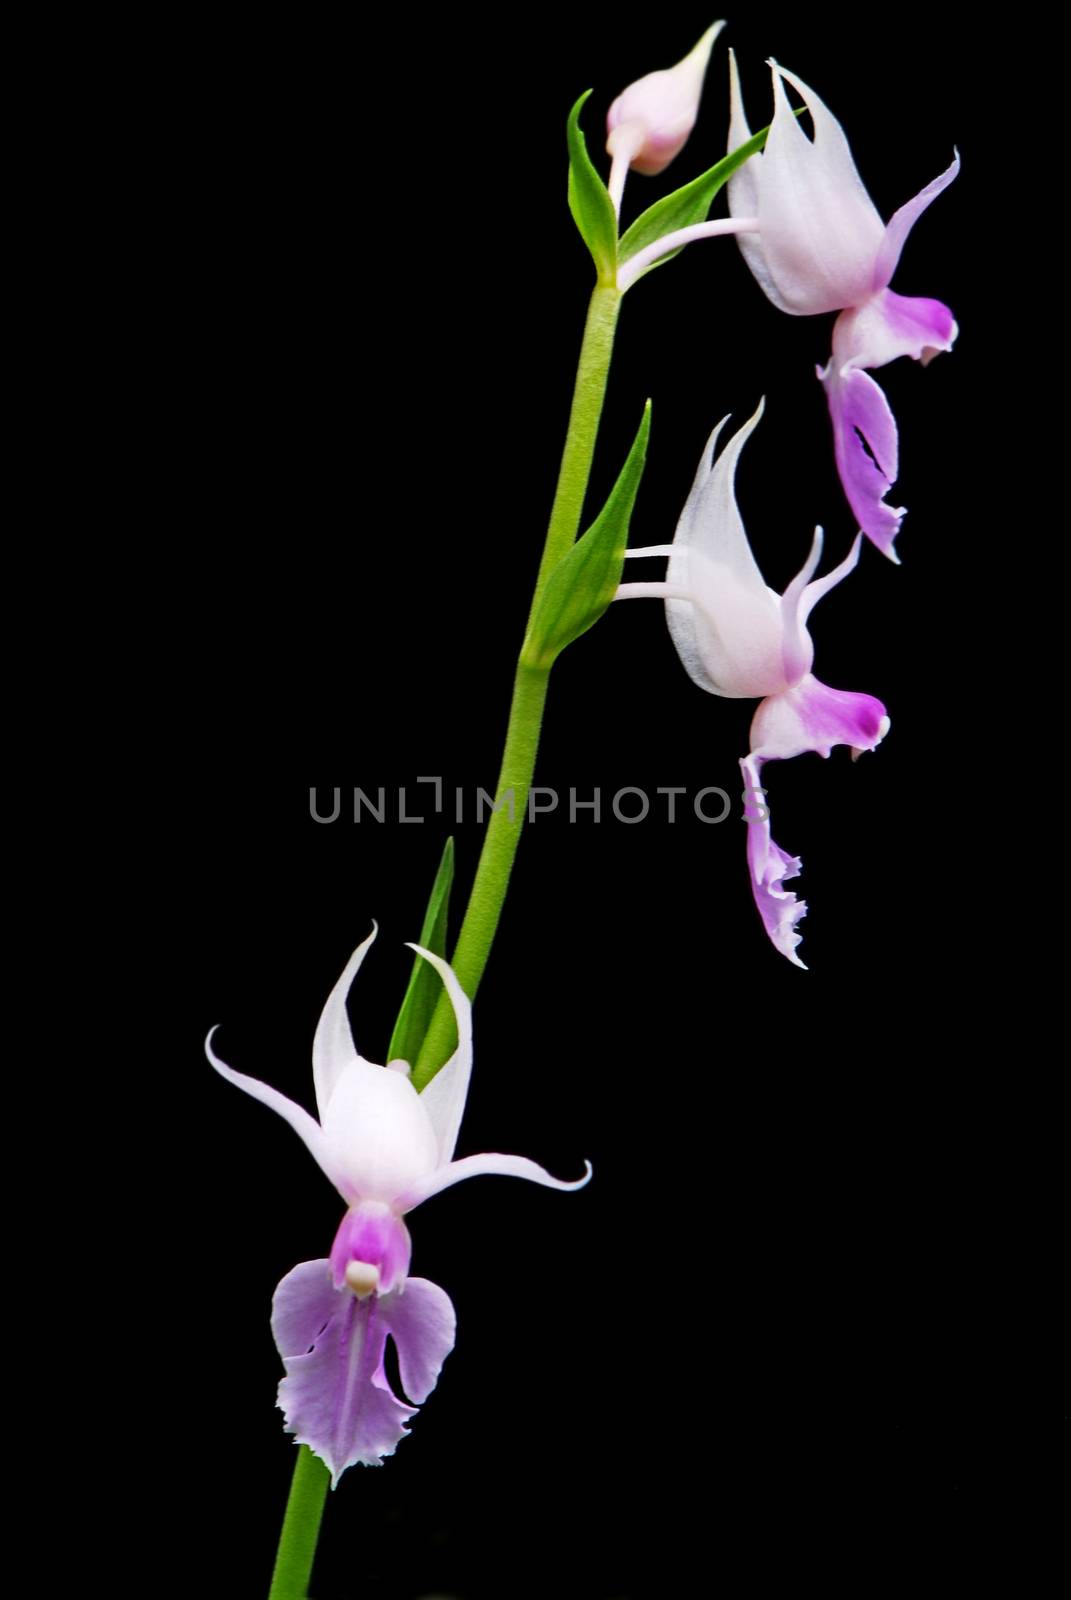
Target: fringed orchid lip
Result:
[738, 638]
[386, 1148]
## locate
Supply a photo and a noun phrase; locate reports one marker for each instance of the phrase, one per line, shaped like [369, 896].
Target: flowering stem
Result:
[529, 688]
[301, 1528]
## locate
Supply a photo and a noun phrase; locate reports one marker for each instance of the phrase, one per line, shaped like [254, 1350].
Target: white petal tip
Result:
[398, 1065]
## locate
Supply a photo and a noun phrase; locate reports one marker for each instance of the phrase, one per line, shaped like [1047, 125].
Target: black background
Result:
[806, 1317]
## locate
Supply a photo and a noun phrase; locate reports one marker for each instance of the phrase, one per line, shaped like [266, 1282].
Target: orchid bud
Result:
[650, 121]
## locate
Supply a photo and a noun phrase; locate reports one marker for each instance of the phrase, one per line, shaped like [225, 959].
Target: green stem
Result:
[592, 371]
[301, 1528]
[529, 689]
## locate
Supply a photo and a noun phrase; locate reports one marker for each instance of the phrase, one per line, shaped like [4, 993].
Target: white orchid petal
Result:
[332, 1046]
[821, 586]
[819, 230]
[901, 223]
[492, 1164]
[444, 1097]
[377, 1132]
[730, 640]
[743, 190]
[305, 1126]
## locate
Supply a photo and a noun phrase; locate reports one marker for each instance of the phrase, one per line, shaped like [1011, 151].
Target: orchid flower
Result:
[649, 123]
[738, 638]
[386, 1148]
[820, 245]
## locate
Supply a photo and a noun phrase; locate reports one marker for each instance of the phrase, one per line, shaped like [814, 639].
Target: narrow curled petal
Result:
[336, 1397]
[797, 647]
[800, 599]
[477, 1166]
[819, 230]
[770, 867]
[902, 222]
[444, 1097]
[332, 1046]
[890, 325]
[821, 586]
[305, 1126]
[653, 117]
[865, 447]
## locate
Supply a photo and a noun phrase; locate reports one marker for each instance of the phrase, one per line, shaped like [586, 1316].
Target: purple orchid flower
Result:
[386, 1148]
[738, 638]
[820, 245]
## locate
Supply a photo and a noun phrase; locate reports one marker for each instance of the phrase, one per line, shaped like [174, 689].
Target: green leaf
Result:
[583, 583]
[589, 200]
[425, 985]
[686, 206]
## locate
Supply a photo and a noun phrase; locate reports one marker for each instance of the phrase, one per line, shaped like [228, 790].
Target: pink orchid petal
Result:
[902, 222]
[769, 865]
[370, 1232]
[304, 1303]
[336, 1397]
[809, 716]
[891, 325]
[492, 1164]
[866, 451]
[423, 1325]
[332, 1046]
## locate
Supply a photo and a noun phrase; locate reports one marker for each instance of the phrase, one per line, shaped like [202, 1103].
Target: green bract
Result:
[424, 984]
[685, 206]
[589, 200]
[584, 582]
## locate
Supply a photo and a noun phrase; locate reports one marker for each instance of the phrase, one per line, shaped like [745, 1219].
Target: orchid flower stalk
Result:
[739, 639]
